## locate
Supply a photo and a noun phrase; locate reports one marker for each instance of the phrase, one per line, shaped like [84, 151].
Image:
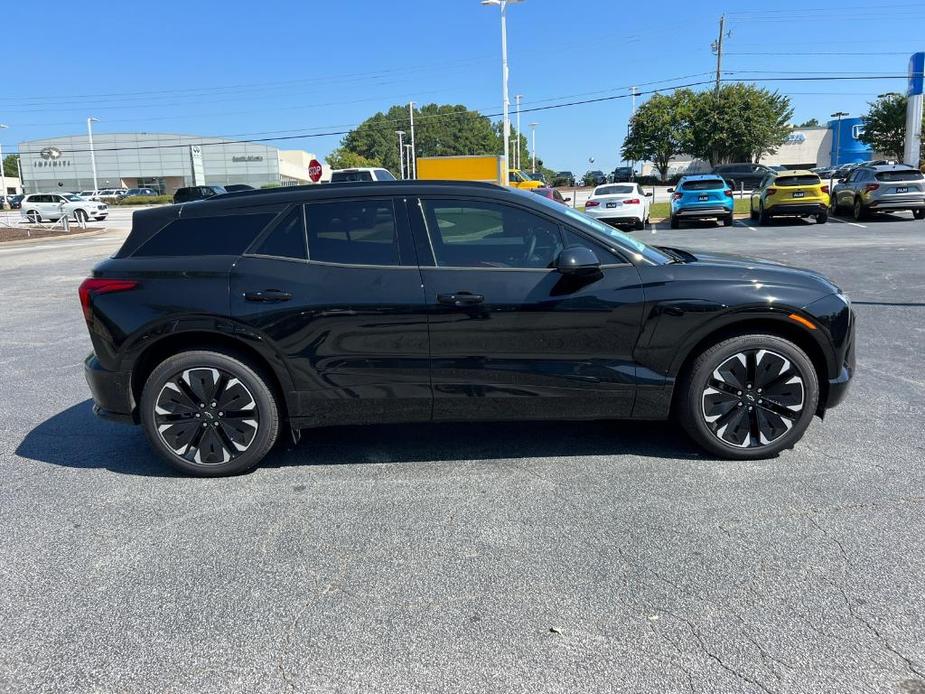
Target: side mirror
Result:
[649, 194]
[578, 261]
[569, 199]
[670, 190]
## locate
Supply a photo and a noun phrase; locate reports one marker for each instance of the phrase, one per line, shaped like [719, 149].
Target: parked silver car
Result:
[880, 188]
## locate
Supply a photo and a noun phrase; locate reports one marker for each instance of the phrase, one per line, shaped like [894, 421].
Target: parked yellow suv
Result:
[518, 179]
[790, 194]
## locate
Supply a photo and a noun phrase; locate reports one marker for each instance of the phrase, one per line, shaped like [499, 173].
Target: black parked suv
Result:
[221, 325]
[191, 193]
[747, 176]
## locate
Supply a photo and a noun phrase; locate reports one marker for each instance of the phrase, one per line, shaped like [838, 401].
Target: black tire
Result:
[752, 214]
[727, 220]
[763, 217]
[858, 211]
[673, 222]
[918, 214]
[81, 216]
[33, 216]
[707, 412]
[822, 217]
[834, 209]
[244, 435]
[639, 225]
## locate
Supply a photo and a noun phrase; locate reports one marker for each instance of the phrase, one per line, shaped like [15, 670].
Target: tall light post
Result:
[517, 163]
[412, 164]
[506, 122]
[839, 115]
[90, 121]
[409, 155]
[2, 174]
[401, 153]
[533, 148]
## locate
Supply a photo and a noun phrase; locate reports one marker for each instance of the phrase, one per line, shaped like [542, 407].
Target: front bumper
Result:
[111, 391]
[796, 209]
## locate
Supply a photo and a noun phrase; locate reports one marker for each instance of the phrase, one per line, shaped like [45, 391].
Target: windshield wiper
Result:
[678, 256]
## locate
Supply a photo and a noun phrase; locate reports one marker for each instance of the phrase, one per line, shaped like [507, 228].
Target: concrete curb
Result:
[44, 239]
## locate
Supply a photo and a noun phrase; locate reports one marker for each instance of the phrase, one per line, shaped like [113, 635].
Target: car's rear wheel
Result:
[209, 413]
[639, 224]
[673, 222]
[727, 220]
[763, 216]
[918, 214]
[33, 216]
[749, 397]
[822, 217]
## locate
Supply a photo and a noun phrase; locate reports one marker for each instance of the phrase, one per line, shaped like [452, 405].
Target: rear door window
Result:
[360, 232]
[228, 235]
[286, 239]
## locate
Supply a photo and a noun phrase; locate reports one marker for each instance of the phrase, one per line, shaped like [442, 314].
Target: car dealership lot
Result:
[528, 557]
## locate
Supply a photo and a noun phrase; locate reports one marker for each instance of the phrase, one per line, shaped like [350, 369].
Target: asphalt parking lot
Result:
[518, 557]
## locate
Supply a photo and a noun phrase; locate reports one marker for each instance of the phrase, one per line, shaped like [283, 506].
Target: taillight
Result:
[871, 186]
[825, 189]
[676, 196]
[591, 203]
[771, 191]
[728, 193]
[633, 201]
[93, 286]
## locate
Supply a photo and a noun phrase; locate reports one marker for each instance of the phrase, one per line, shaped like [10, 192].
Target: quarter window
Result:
[362, 232]
[228, 235]
[488, 235]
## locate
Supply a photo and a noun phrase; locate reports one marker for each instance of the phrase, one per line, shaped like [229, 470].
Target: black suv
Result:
[220, 325]
[746, 175]
[191, 193]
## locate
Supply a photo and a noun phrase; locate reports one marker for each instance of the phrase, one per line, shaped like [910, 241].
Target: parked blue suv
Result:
[702, 196]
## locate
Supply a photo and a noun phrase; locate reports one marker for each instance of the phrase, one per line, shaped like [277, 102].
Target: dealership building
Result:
[161, 161]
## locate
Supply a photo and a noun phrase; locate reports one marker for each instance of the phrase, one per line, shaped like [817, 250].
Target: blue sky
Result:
[283, 68]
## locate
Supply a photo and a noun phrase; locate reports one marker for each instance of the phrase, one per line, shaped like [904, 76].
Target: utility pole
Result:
[412, 164]
[533, 133]
[718, 47]
[506, 101]
[401, 154]
[3, 176]
[90, 122]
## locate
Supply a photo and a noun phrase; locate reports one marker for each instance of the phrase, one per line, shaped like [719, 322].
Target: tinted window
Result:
[707, 184]
[206, 236]
[804, 180]
[615, 190]
[910, 175]
[355, 233]
[488, 235]
[287, 239]
[604, 256]
[384, 175]
[351, 176]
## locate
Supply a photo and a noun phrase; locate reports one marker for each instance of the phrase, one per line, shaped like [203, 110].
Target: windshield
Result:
[73, 198]
[606, 233]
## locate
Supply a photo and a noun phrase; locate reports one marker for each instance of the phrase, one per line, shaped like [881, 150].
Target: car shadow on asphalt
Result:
[75, 438]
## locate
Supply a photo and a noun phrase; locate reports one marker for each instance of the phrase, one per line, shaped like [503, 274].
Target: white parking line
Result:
[744, 225]
[845, 221]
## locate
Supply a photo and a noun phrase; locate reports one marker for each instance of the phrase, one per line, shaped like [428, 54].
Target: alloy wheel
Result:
[206, 416]
[753, 398]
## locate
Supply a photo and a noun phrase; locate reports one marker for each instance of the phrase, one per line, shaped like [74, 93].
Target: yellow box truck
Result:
[487, 168]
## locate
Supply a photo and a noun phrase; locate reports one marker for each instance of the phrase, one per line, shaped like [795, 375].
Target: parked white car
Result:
[620, 205]
[361, 175]
[54, 206]
[112, 193]
[89, 194]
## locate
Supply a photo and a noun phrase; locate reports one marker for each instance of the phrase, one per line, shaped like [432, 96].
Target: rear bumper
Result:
[795, 209]
[897, 204]
[702, 212]
[617, 215]
[111, 391]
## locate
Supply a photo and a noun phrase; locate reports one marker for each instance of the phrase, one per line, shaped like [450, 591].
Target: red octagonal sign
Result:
[314, 170]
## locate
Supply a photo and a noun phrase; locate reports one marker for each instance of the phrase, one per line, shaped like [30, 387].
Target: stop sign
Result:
[314, 170]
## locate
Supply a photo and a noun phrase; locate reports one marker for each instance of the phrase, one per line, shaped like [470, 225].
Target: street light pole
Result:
[90, 121]
[412, 164]
[506, 122]
[839, 115]
[533, 137]
[517, 162]
[401, 153]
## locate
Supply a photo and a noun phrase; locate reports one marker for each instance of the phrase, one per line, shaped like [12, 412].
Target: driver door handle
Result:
[268, 296]
[461, 299]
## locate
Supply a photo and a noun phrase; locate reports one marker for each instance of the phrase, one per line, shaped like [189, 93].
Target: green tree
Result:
[439, 130]
[739, 123]
[342, 158]
[811, 123]
[885, 125]
[658, 130]
[9, 165]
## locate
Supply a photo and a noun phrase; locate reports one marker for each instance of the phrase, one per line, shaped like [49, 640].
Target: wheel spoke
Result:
[723, 387]
[780, 410]
[751, 368]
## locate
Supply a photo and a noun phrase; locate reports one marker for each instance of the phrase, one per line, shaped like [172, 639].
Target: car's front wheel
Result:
[749, 397]
[859, 212]
[209, 413]
[81, 216]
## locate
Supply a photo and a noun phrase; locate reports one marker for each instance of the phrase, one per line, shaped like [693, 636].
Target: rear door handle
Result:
[461, 299]
[269, 296]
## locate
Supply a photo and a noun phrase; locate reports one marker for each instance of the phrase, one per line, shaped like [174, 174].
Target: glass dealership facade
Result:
[162, 161]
